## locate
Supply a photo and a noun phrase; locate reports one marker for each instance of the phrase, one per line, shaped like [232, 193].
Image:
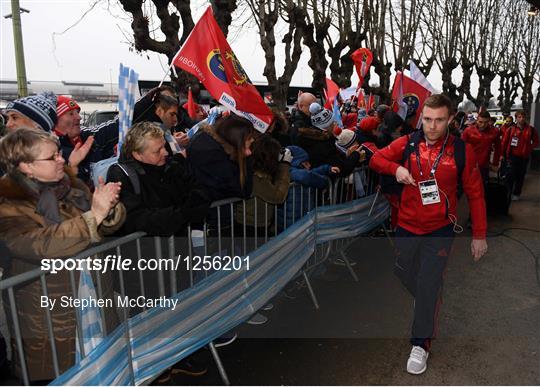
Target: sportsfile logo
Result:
[113, 262]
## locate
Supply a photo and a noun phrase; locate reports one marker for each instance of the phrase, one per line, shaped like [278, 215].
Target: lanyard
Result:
[436, 163]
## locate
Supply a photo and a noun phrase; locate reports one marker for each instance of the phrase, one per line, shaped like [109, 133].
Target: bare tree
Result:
[347, 21]
[318, 20]
[174, 19]
[509, 84]
[529, 58]
[405, 21]
[488, 49]
[266, 14]
[374, 15]
[445, 21]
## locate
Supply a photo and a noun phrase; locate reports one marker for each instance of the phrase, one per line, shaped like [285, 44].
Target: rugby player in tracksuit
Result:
[517, 146]
[427, 214]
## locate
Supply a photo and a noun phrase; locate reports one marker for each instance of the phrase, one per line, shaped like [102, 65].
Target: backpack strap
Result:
[133, 176]
[413, 140]
[459, 157]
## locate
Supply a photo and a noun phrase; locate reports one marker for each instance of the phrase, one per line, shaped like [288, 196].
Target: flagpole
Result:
[166, 73]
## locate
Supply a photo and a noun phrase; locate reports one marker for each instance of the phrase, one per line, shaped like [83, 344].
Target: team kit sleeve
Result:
[474, 190]
[387, 160]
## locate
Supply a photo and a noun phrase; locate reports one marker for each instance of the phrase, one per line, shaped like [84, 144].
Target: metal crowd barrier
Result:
[225, 231]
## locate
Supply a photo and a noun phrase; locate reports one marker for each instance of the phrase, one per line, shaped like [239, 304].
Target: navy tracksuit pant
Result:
[517, 175]
[420, 264]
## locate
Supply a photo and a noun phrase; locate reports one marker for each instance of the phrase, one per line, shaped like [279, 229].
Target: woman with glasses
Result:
[46, 212]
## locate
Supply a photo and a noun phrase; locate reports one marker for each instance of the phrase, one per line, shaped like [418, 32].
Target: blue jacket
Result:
[301, 198]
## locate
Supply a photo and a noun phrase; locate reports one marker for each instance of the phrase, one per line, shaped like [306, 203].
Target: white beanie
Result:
[320, 118]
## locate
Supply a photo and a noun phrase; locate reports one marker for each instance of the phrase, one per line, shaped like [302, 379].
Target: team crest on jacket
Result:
[215, 64]
[413, 102]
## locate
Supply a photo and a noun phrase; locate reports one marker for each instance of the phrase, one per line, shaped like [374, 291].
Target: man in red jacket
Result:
[517, 145]
[427, 214]
[485, 140]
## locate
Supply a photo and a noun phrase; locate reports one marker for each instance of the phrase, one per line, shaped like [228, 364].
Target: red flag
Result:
[371, 101]
[192, 112]
[408, 98]
[207, 55]
[331, 92]
[361, 104]
[362, 59]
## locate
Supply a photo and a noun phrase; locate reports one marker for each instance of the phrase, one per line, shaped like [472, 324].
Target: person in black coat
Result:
[319, 141]
[301, 118]
[219, 158]
[160, 196]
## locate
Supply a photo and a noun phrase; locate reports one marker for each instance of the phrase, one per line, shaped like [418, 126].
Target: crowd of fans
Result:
[165, 180]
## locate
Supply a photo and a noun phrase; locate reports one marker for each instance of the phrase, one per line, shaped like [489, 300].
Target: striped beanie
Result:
[40, 108]
[346, 138]
[64, 104]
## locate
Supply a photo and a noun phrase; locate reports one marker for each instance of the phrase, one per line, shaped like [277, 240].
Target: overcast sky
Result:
[93, 49]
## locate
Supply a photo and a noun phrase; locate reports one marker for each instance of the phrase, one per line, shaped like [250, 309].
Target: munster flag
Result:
[207, 55]
[408, 98]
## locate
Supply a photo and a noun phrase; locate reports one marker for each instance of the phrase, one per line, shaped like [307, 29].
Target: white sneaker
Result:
[417, 363]
[515, 198]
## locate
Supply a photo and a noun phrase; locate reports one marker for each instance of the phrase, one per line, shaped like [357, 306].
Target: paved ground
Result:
[489, 331]
[490, 321]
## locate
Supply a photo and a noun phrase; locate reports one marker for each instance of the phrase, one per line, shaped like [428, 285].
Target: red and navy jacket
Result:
[483, 142]
[423, 219]
[527, 140]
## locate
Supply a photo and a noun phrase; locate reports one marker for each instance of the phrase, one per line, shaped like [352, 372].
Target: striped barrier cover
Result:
[160, 337]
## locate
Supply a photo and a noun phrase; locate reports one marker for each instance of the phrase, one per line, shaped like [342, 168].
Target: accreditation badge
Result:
[429, 192]
[514, 141]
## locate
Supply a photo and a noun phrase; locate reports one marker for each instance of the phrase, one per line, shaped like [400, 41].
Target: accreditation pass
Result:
[429, 192]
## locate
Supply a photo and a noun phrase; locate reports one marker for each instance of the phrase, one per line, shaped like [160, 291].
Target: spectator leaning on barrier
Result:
[427, 214]
[484, 139]
[47, 212]
[219, 158]
[279, 129]
[347, 143]
[270, 183]
[300, 201]
[318, 140]
[160, 197]
[517, 146]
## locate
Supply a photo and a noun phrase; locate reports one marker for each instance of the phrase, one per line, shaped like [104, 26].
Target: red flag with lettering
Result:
[362, 59]
[207, 55]
[332, 90]
[192, 112]
[408, 97]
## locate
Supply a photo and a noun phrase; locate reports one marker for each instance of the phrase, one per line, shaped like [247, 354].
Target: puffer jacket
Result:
[301, 199]
[30, 238]
[269, 191]
[169, 197]
[213, 163]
